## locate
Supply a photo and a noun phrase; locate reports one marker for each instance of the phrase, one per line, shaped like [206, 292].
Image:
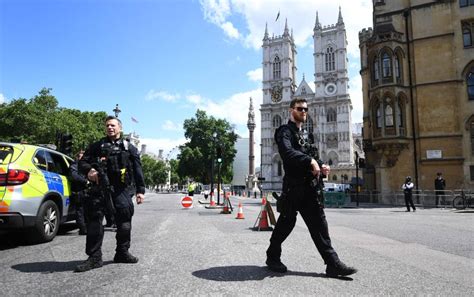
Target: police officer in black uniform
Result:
[301, 194]
[120, 161]
[79, 185]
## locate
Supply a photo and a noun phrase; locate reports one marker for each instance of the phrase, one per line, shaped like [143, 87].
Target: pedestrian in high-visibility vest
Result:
[191, 188]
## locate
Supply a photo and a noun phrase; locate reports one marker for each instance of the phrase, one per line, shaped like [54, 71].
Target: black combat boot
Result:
[339, 269]
[276, 265]
[125, 258]
[90, 263]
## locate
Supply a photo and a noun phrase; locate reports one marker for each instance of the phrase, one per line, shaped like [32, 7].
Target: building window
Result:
[467, 36]
[308, 125]
[375, 69]
[386, 65]
[464, 3]
[470, 84]
[280, 170]
[399, 115]
[388, 116]
[330, 61]
[303, 91]
[472, 138]
[331, 116]
[379, 116]
[472, 172]
[397, 67]
[276, 68]
[276, 121]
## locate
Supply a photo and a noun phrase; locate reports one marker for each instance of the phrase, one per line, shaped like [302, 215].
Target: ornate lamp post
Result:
[116, 111]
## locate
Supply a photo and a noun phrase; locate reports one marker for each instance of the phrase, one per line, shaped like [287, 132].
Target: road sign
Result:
[187, 202]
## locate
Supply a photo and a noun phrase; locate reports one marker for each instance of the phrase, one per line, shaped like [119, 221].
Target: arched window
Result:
[386, 65]
[388, 116]
[331, 115]
[276, 121]
[276, 68]
[308, 125]
[303, 91]
[470, 84]
[399, 115]
[330, 61]
[375, 69]
[334, 177]
[397, 68]
[379, 116]
[330, 162]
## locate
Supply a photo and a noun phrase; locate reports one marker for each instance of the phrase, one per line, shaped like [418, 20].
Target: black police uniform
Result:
[301, 196]
[125, 175]
[78, 185]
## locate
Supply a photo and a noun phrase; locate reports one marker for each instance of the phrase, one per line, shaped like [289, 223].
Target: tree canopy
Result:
[39, 120]
[197, 155]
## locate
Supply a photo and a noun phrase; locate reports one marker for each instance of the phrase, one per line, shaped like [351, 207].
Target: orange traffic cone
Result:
[212, 203]
[262, 219]
[240, 214]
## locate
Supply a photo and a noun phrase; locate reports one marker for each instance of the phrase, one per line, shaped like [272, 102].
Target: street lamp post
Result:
[214, 136]
[357, 177]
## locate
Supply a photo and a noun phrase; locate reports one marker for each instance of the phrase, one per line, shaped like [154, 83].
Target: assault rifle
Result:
[105, 188]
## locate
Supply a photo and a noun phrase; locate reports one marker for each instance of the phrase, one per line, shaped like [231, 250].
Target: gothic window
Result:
[386, 65]
[334, 177]
[467, 30]
[397, 68]
[375, 70]
[280, 169]
[303, 91]
[330, 61]
[388, 116]
[379, 116]
[399, 115]
[308, 125]
[276, 68]
[472, 137]
[276, 121]
[330, 162]
[470, 84]
[331, 116]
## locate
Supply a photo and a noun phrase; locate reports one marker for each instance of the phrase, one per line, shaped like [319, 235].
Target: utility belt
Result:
[291, 182]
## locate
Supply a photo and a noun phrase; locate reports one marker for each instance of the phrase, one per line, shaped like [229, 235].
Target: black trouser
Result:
[79, 205]
[438, 195]
[409, 201]
[95, 230]
[314, 218]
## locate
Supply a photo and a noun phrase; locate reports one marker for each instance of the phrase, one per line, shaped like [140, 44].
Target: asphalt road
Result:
[198, 251]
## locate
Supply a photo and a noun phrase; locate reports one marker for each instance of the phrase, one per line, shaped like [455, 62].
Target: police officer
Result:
[300, 194]
[407, 188]
[440, 185]
[122, 168]
[79, 185]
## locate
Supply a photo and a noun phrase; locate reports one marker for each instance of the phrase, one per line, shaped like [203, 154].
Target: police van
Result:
[34, 190]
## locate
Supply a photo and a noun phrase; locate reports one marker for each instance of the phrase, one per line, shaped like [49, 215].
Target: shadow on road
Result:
[50, 266]
[249, 273]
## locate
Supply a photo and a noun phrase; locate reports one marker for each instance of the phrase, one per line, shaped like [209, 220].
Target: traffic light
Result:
[219, 154]
[66, 143]
[361, 163]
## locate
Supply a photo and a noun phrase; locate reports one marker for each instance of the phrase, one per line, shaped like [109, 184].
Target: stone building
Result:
[417, 68]
[329, 117]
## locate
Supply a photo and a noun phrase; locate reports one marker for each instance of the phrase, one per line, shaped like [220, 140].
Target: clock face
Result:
[330, 89]
[276, 93]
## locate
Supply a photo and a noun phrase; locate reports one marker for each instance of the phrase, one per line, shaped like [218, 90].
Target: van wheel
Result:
[47, 222]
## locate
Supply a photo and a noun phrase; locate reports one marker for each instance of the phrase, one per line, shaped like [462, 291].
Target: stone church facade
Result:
[329, 116]
[417, 68]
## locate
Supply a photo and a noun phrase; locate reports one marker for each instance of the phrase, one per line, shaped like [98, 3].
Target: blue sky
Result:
[160, 60]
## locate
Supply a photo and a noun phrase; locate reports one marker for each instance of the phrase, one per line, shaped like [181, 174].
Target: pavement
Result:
[200, 252]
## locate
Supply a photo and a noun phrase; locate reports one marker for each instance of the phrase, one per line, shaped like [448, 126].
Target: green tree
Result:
[197, 155]
[39, 120]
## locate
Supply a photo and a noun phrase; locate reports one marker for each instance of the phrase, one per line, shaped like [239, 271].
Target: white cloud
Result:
[255, 75]
[161, 95]
[217, 12]
[230, 30]
[2, 98]
[301, 16]
[194, 99]
[170, 126]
